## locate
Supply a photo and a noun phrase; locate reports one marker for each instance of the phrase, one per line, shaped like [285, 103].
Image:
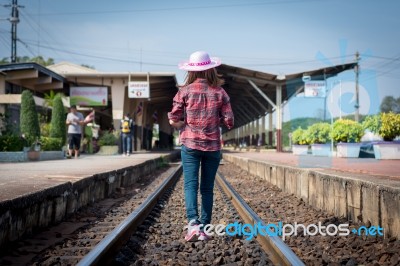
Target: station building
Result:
[255, 97]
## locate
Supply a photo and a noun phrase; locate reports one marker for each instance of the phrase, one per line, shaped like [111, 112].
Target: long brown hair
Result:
[211, 75]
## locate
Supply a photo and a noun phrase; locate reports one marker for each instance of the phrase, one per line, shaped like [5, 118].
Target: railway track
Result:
[280, 253]
[163, 212]
[148, 229]
[78, 244]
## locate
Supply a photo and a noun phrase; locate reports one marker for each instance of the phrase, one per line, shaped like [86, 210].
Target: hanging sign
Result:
[315, 88]
[138, 89]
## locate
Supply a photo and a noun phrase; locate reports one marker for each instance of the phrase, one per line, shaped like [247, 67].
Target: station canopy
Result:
[248, 104]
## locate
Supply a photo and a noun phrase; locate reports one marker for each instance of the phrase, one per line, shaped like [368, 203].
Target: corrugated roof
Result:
[247, 103]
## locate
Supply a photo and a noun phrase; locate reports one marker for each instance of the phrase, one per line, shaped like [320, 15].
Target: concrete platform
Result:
[34, 195]
[362, 190]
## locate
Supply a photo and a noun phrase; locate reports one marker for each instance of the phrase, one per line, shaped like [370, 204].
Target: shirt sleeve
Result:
[226, 111]
[178, 104]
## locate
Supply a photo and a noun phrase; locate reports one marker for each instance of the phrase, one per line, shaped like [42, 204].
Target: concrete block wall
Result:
[342, 195]
[25, 214]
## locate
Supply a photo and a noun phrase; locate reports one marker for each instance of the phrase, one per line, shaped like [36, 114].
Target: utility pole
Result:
[14, 19]
[357, 104]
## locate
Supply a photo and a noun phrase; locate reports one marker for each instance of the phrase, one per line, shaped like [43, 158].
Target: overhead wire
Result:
[94, 12]
[170, 54]
[371, 76]
[160, 64]
[99, 57]
[30, 20]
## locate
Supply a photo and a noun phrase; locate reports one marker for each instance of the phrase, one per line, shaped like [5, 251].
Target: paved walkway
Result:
[18, 179]
[382, 171]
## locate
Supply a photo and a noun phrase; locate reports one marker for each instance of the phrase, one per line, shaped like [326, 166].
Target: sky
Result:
[273, 36]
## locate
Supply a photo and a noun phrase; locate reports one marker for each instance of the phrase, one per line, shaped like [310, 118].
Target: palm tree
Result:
[49, 98]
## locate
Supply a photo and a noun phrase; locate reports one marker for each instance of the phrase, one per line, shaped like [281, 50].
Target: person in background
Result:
[126, 134]
[75, 121]
[199, 107]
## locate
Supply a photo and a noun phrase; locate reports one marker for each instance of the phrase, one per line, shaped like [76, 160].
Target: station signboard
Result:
[138, 89]
[88, 96]
[315, 88]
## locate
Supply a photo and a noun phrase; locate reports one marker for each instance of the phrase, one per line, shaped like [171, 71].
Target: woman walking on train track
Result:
[199, 108]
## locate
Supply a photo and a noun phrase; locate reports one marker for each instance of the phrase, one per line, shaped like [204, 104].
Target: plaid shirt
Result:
[203, 108]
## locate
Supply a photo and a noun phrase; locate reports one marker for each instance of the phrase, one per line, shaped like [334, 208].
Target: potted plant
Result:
[33, 152]
[386, 125]
[347, 134]
[108, 143]
[299, 142]
[318, 136]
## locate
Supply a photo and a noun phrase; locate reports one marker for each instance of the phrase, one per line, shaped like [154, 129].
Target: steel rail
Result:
[280, 253]
[105, 250]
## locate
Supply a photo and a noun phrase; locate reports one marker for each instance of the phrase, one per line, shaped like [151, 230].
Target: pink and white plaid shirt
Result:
[203, 108]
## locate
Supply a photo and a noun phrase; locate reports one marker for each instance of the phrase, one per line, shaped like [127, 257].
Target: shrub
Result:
[51, 144]
[390, 126]
[345, 130]
[11, 143]
[57, 125]
[318, 133]
[372, 123]
[108, 139]
[45, 129]
[387, 125]
[7, 126]
[299, 136]
[29, 121]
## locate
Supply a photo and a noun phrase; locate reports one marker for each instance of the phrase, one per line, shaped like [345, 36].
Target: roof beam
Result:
[262, 93]
[263, 81]
[22, 74]
[239, 116]
[244, 113]
[50, 86]
[252, 107]
[34, 81]
[255, 99]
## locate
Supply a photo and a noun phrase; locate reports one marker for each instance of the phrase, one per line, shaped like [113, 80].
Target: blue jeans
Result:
[191, 159]
[126, 142]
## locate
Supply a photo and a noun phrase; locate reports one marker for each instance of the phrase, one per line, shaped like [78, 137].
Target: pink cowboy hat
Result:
[200, 61]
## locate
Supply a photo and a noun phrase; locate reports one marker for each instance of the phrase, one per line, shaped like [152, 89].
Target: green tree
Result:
[25, 59]
[390, 104]
[40, 60]
[4, 60]
[29, 121]
[88, 66]
[57, 125]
